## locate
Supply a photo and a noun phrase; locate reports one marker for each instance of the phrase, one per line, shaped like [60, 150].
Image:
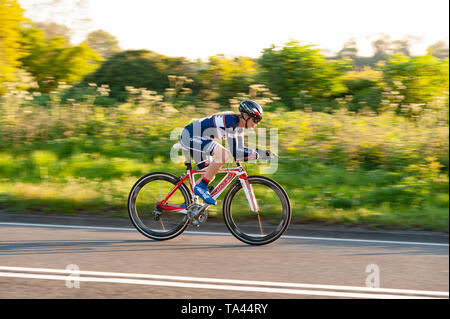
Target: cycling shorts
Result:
[201, 148]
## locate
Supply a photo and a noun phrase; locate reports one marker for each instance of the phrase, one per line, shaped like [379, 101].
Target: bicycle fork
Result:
[249, 194]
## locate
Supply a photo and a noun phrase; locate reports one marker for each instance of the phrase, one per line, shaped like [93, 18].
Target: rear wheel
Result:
[142, 206]
[264, 226]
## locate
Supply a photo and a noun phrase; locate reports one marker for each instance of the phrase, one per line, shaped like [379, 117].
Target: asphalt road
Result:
[62, 260]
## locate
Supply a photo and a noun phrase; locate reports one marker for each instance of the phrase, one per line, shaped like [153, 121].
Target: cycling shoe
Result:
[201, 189]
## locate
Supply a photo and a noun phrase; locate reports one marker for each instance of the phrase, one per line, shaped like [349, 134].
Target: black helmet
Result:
[251, 108]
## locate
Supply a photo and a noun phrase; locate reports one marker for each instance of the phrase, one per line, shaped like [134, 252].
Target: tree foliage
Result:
[11, 17]
[364, 87]
[300, 74]
[137, 68]
[56, 60]
[225, 77]
[52, 30]
[438, 49]
[417, 79]
[103, 43]
[349, 50]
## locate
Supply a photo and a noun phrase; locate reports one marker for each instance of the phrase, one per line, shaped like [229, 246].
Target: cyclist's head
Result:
[253, 109]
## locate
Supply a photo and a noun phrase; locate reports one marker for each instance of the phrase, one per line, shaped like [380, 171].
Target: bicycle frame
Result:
[232, 173]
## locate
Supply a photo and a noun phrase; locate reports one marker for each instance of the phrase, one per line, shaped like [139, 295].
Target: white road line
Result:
[210, 286]
[249, 283]
[368, 241]
[67, 226]
[228, 234]
[204, 286]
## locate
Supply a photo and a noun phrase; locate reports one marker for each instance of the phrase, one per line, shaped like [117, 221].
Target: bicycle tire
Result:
[238, 231]
[135, 216]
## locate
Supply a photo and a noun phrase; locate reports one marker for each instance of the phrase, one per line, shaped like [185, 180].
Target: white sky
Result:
[202, 28]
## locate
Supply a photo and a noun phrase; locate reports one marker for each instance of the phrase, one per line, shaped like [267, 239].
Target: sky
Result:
[202, 28]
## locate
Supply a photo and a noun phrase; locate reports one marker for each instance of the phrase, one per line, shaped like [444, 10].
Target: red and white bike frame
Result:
[232, 173]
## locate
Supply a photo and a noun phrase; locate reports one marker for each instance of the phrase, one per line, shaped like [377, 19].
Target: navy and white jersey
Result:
[216, 126]
[198, 135]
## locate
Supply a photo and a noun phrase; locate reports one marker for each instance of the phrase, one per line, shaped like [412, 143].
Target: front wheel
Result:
[264, 226]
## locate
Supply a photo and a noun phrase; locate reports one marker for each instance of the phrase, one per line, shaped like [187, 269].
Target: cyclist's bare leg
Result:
[200, 179]
[221, 156]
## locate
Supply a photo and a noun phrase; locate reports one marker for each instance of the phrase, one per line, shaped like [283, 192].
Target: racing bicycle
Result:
[256, 209]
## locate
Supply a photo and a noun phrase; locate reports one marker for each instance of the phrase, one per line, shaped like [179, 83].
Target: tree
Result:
[56, 60]
[349, 51]
[385, 47]
[364, 87]
[227, 76]
[137, 68]
[104, 43]
[300, 75]
[438, 49]
[381, 46]
[401, 46]
[52, 30]
[417, 79]
[11, 17]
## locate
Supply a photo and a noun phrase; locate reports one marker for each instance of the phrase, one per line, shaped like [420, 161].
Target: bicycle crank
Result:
[197, 214]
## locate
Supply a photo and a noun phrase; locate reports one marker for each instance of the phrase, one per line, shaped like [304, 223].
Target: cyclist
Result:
[198, 136]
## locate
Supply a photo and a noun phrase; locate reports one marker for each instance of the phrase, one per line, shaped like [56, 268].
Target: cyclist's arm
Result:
[240, 153]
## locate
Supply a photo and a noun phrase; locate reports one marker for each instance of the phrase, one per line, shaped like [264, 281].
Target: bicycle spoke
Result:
[260, 225]
[162, 224]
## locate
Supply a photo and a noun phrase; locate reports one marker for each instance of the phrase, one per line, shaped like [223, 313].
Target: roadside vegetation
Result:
[384, 171]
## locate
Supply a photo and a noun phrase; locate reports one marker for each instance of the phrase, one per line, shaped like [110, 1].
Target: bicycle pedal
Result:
[195, 199]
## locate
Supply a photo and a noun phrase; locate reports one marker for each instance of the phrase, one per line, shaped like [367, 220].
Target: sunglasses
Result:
[256, 119]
